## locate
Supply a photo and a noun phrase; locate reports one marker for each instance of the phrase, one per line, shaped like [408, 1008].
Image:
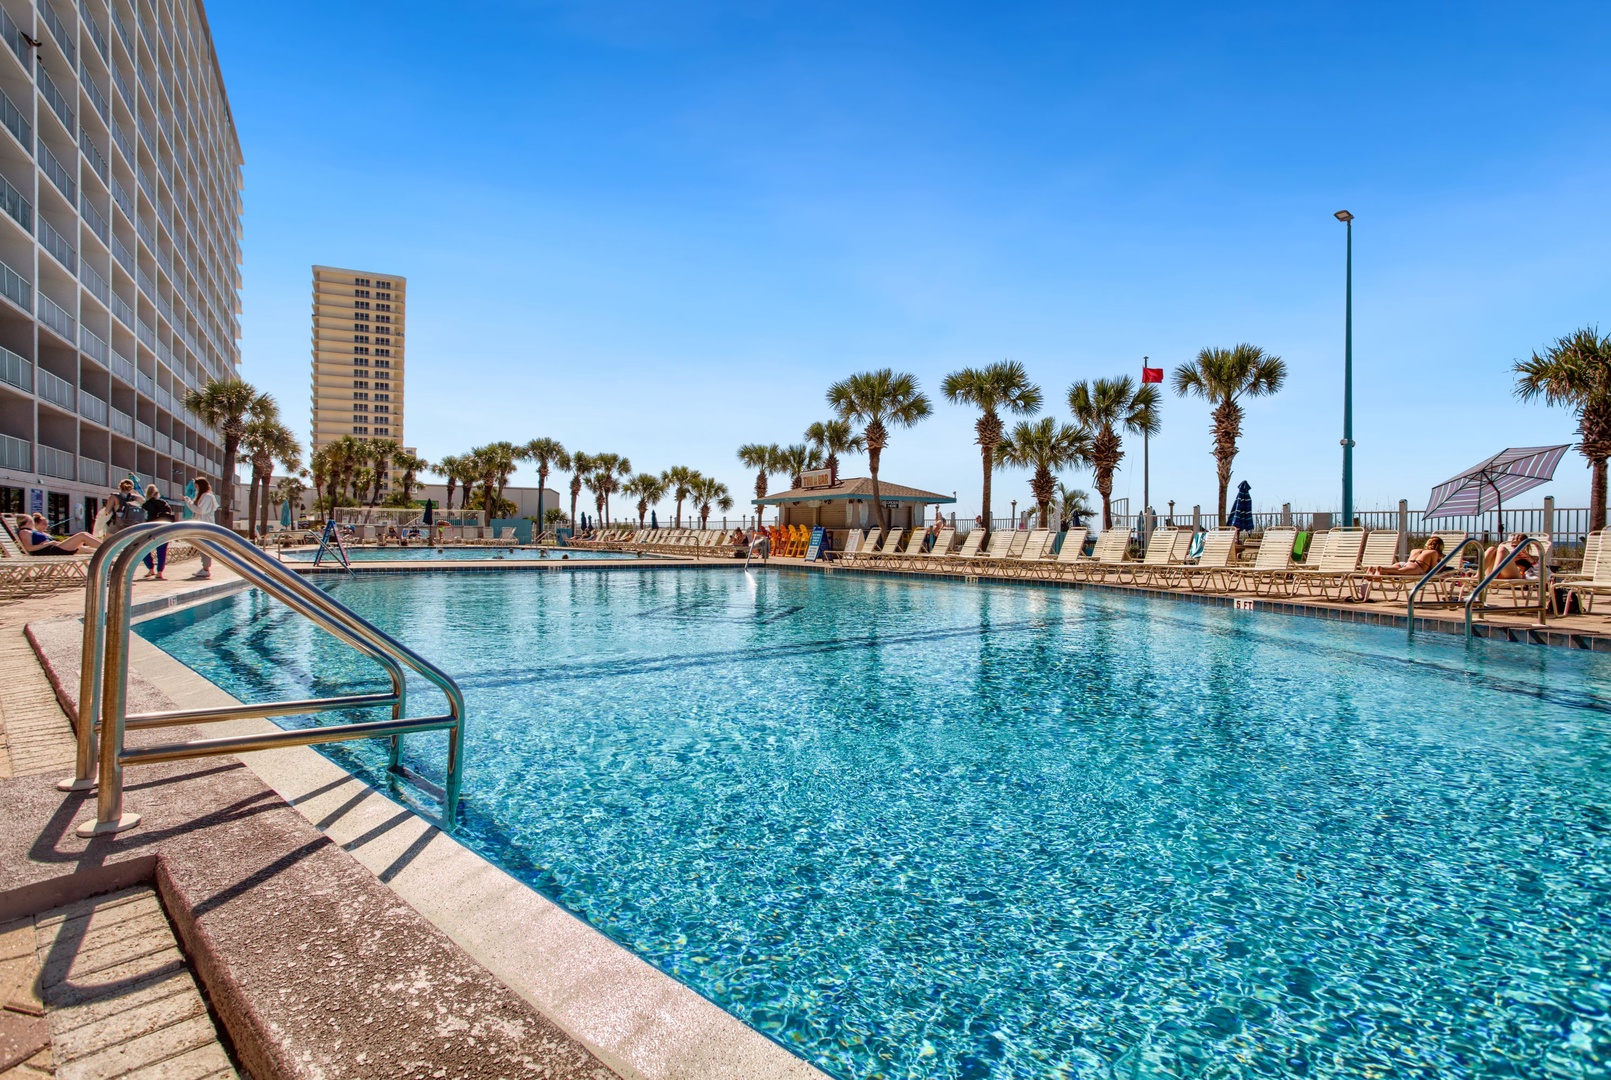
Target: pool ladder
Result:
[104, 678]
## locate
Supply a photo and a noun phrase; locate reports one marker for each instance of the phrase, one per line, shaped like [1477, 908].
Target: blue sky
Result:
[664, 229]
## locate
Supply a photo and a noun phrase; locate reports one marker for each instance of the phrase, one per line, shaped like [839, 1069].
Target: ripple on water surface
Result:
[955, 832]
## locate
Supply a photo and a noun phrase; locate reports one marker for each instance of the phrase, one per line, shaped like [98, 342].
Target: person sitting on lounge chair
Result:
[1420, 562]
[741, 546]
[1519, 568]
[37, 542]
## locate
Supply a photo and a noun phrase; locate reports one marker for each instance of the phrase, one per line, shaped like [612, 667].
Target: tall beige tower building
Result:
[358, 325]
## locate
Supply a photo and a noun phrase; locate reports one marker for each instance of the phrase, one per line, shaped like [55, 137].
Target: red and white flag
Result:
[1152, 374]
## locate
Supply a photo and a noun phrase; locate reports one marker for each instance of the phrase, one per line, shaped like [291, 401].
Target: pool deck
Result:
[335, 933]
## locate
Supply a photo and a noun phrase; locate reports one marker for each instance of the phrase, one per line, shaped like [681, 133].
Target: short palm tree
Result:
[1003, 386]
[707, 492]
[830, 438]
[795, 459]
[1575, 372]
[290, 490]
[1224, 376]
[579, 465]
[409, 466]
[548, 455]
[228, 405]
[649, 490]
[763, 458]
[609, 470]
[1043, 446]
[679, 485]
[265, 442]
[451, 467]
[876, 400]
[1105, 408]
[1072, 504]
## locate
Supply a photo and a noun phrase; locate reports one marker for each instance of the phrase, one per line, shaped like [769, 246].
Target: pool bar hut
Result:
[844, 504]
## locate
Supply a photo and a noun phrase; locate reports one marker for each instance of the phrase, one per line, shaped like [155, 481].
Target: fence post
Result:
[1286, 513]
[1549, 515]
[1403, 529]
[1196, 517]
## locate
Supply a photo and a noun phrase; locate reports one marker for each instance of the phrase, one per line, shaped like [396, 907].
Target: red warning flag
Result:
[1152, 374]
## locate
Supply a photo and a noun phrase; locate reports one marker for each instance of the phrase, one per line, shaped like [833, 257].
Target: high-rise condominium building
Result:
[358, 318]
[120, 177]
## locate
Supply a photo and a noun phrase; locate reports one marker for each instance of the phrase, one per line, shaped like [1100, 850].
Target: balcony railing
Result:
[165, 399]
[59, 30]
[97, 35]
[145, 333]
[122, 423]
[91, 471]
[93, 218]
[15, 288]
[147, 233]
[56, 390]
[16, 454]
[91, 343]
[93, 153]
[91, 407]
[150, 92]
[58, 173]
[123, 311]
[147, 384]
[56, 317]
[14, 37]
[144, 435]
[123, 255]
[56, 99]
[164, 444]
[120, 135]
[14, 204]
[93, 281]
[16, 370]
[57, 245]
[16, 122]
[96, 95]
[147, 283]
[122, 367]
[122, 31]
[120, 195]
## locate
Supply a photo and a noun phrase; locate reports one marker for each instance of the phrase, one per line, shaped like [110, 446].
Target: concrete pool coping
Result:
[637, 1020]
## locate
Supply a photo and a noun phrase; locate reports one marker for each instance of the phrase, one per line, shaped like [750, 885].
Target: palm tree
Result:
[708, 491]
[1044, 446]
[549, 455]
[495, 463]
[1000, 386]
[1575, 372]
[1223, 376]
[649, 489]
[290, 490]
[877, 399]
[795, 459]
[578, 465]
[1072, 503]
[680, 483]
[228, 405]
[411, 465]
[266, 441]
[763, 458]
[830, 438]
[1104, 408]
[610, 470]
[450, 468]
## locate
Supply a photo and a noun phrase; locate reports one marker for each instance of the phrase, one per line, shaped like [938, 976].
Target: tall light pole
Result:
[1348, 375]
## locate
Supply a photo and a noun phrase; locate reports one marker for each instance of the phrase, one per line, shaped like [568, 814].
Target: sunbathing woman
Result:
[1499, 552]
[1421, 561]
[35, 542]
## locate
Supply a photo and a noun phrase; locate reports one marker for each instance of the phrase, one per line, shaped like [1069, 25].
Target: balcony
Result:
[91, 343]
[122, 367]
[123, 255]
[164, 399]
[15, 287]
[147, 233]
[97, 98]
[56, 390]
[91, 471]
[57, 100]
[147, 384]
[144, 434]
[120, 135]
[56, 317]
[97, 35]
[91, 407]
[16, 122]
[93, 218]
[120, 195]
[16, 370]
[122, 310]
[94, 282]
[14, 37]
[15, 204]
[93, 154]
[122, 423]
[145, 81]
[146, 335]
[58, 29]
[122, 31]
[58, 173]
[16, 454]
[164, 444]
[57, 245]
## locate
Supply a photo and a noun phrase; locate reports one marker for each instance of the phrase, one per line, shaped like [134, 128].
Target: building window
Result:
[357, 408]
[360, 396]
[361, 281]
[383, 352]
[383, 284]
[383, 397]
[383, 307]
[383, 431]
[362, 350]
[360, 361]
[360, 292]
[383, 386]
[364, 338]
[361, 384]
[361, 304]
[383, 363]
[361, 316]
[383, 408]
[360, 430]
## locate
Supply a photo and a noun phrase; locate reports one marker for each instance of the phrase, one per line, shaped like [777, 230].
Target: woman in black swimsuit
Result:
[35, 542]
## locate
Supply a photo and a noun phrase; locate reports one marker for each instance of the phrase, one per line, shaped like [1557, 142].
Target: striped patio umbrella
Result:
[1241, 515]
[1486, 485]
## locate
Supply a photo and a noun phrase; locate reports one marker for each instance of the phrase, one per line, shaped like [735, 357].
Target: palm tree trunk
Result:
[988, 453]
[1597, 494]
[226, 483]
[251, 501]
[1104, 487]
[873, 457]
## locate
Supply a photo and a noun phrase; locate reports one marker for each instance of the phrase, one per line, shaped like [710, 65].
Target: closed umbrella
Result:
[1241, 515]
[1486, 485]
[429, 517]
[654, 520]
[285, 514]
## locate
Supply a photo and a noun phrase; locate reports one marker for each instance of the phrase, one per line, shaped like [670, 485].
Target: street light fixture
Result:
[1348, 375]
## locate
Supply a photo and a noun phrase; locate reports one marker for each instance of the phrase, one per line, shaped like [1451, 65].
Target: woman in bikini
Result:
[37, 542]
[1421, 561]
[1500, 552]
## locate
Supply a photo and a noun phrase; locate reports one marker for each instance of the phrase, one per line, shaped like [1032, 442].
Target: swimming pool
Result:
[463, 554]
[929, 830]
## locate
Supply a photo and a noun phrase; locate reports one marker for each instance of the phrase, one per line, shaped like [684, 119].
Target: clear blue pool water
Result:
[951, 831]
[464, 554]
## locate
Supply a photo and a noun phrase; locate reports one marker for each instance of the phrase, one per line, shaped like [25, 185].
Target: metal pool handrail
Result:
[1543, 581]
[103, 686]
[1432, 573]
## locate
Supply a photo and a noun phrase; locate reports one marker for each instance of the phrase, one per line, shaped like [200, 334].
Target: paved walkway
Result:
[99, 989]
